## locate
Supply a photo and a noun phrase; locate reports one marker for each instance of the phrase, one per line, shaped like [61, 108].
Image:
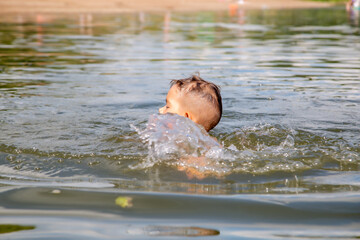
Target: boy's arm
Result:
[192, 172]
[186, 165]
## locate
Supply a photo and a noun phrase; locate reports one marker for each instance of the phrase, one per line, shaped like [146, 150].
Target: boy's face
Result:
[174, 103]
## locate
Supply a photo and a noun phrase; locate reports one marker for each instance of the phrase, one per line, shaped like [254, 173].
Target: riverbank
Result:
[114, 6]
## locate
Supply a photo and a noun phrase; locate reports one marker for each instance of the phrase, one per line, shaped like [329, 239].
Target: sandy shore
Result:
[114, 6]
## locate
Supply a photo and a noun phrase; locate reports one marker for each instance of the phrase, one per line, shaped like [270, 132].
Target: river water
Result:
[84, 153]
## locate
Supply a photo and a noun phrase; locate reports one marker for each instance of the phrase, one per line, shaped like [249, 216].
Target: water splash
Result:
[176, 141]
[170, 138]
[265, 147]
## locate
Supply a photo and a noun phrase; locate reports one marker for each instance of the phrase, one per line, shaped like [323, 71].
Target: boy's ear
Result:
[188, 115]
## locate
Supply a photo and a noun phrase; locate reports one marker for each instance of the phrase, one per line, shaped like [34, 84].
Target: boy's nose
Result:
[162, 110]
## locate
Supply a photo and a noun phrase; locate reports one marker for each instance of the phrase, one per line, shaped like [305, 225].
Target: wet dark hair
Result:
[204, 89]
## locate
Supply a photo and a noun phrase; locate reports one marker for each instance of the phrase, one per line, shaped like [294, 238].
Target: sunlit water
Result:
[79, 96]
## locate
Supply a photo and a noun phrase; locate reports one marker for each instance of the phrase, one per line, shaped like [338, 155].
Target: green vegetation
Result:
[8, 228]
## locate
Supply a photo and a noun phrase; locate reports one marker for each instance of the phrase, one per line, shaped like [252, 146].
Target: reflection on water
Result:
[76, 93]
[180, 231]
[247, 216]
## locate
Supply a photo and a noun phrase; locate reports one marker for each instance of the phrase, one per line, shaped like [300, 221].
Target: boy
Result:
[196, 99]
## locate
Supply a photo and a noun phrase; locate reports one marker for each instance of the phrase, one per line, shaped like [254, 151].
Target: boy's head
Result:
[196, 99]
